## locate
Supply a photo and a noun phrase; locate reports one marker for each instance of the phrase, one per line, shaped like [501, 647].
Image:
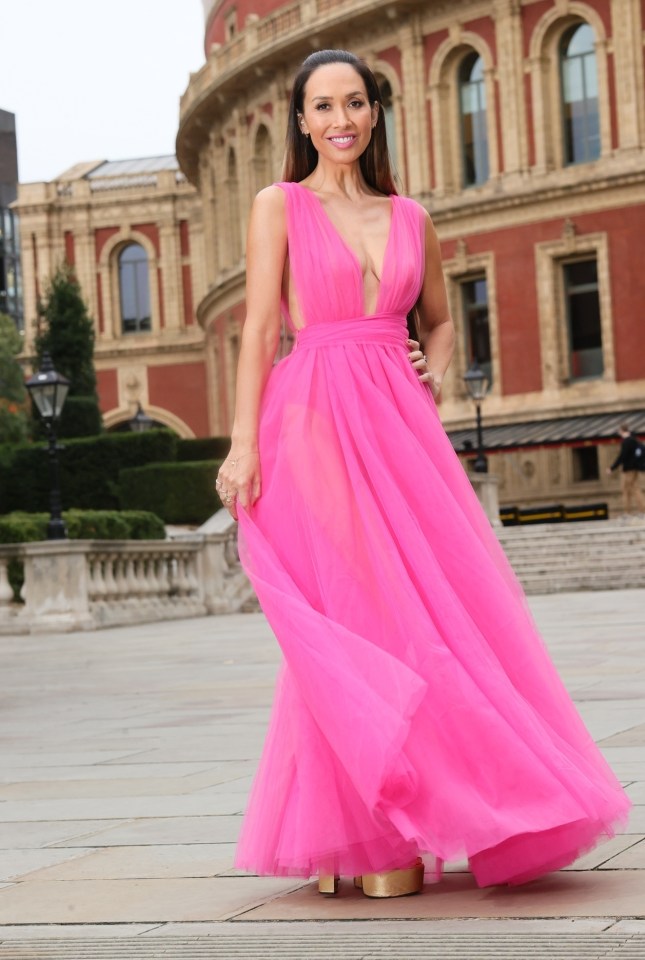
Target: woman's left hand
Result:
[420, 362]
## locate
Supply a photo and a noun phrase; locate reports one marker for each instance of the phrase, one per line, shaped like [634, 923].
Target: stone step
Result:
[291, 943]
[572, 531]
[555, 558]
[567, 560]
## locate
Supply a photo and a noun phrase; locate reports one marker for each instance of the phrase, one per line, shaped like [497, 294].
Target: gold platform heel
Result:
[392, 883]
[328, 884]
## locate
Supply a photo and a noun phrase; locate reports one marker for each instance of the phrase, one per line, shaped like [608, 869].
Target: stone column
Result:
[508, 35]
[486, 487]
[170, 262]
[85, 257]
[627, 30]
[416, 118]
[56, 586]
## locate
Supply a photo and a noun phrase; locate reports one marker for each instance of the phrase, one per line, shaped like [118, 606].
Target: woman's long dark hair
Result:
[300, 155]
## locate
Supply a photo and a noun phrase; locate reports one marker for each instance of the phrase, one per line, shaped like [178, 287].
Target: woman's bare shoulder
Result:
[270, 198]
[268, 213]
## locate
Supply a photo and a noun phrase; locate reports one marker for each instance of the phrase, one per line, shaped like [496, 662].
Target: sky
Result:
[95, 79]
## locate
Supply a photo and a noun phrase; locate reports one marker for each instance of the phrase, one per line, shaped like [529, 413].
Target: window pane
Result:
[476, 323]
[472, 100]
[581, 40]
[143, 296]
[134, 289]
[579, 83]
[583, 314]
[573, 88]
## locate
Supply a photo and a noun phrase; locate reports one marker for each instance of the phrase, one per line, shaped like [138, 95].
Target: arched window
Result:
[579, 80]
[472, 103]
[262, 159]
[134, 289]
[387, 103]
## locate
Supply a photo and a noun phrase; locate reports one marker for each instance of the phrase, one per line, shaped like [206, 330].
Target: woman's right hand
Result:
[420, 362]
[239, 478]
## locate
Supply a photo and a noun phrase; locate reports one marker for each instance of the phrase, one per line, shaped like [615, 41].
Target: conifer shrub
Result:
[66, 333]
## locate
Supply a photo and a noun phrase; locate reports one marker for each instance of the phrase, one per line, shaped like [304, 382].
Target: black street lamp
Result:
[140, 421]
[477, 384]
[48, 390]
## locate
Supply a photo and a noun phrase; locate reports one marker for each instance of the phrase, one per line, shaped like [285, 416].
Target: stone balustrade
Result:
[87, 584]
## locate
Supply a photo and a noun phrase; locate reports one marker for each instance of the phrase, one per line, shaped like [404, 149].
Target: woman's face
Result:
[337, 113]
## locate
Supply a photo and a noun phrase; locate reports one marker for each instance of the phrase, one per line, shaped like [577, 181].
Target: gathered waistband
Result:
[378, 328]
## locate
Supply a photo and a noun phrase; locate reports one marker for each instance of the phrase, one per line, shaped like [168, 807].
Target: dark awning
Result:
[563, 431]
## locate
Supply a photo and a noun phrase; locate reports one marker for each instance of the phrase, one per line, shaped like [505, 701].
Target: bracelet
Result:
[241, 456]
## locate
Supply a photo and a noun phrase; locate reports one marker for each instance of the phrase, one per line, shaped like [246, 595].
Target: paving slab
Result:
[582, 894]
[23, 835]
[136, 901]
[175, 830]
[137, 863]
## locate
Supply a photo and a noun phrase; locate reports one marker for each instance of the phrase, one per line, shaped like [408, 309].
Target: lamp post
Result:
[140, 421]
[48, 390]
[477, 384]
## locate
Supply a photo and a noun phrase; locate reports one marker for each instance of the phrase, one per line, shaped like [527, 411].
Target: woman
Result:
[417, 709]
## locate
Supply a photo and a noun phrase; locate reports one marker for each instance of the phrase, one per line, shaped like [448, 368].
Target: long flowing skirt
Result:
[417, 707]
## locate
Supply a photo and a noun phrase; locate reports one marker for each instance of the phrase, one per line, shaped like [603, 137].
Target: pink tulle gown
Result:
[417, 709]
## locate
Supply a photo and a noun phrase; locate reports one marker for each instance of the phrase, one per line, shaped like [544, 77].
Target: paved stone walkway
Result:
[125, 760]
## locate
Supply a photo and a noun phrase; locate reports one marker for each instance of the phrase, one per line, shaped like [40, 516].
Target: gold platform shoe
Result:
[392, 883]
[328, 884]
[387, 883]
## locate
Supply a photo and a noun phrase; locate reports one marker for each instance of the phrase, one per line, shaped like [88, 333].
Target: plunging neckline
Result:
[350, 250]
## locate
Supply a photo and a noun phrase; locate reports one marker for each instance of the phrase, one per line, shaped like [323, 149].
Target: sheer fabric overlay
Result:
[416, 709]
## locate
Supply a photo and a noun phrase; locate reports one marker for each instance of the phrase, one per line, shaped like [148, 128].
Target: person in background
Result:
[631, 450]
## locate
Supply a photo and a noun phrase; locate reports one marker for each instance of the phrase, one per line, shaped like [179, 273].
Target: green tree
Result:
[66, 332]
[14, 405]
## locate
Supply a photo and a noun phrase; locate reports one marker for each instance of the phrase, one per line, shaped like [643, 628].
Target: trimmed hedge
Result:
[81, 525]
[177, 492]
[84, 525]
[89, 469]
[203, 448]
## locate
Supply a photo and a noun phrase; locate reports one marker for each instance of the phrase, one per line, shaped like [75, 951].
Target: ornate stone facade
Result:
[133, 232]
[520, 124]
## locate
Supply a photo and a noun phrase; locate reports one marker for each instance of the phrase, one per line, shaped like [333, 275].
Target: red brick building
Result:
[132, 231]
[520, 125]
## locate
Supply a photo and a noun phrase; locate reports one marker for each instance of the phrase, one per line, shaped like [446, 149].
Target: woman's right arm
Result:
[266, 252]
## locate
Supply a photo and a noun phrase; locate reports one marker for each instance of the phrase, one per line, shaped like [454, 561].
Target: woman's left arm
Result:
[436, 327]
